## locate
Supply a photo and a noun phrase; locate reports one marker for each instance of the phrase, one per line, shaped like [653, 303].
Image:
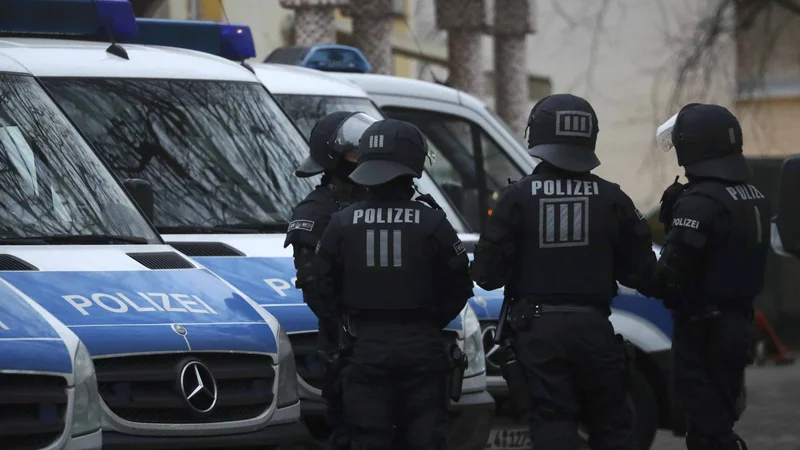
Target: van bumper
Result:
[271, 437]
[470, 419]
[91, 441]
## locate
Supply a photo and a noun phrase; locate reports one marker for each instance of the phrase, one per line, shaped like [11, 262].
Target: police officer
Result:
[397, 270]
[558, 240]
[333, 145]
[711, 268]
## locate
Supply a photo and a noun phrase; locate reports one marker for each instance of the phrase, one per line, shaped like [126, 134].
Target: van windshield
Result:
[307, 110]
[51, 183]
[218, 153]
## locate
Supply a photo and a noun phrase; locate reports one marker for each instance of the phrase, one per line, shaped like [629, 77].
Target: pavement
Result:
[772, 418]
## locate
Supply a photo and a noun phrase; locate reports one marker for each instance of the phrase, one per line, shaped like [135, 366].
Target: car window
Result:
[218, 153]
[455, 169]
[51, 182]
[307, 110]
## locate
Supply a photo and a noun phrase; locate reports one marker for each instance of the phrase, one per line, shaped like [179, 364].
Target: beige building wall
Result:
[768, 103]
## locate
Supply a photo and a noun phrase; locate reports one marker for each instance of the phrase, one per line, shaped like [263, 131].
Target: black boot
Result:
[732, 443]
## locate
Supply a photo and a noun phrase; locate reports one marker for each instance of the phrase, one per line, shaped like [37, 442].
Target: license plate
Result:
[508, 438]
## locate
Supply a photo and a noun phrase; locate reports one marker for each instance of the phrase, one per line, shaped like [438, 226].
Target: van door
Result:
[470, 166]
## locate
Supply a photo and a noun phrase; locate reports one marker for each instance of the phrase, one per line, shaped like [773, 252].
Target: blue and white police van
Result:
[182, 358]
[333, 78]
[48, 388]
[218, 154]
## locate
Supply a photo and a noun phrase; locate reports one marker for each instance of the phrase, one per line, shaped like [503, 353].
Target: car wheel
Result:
[644, 405]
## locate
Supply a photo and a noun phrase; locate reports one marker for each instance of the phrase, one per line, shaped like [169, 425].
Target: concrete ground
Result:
[772, 418]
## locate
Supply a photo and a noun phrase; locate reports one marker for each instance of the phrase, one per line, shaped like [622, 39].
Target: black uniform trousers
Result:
[328, 343]
[575, 369]
[710, 359]
[394, 387]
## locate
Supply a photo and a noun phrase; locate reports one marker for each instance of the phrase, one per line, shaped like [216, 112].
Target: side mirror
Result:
[142, 194]
[455, 193]
[788, 218]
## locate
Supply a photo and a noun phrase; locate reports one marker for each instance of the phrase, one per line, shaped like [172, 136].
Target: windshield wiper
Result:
[66, 239]
[239, 228]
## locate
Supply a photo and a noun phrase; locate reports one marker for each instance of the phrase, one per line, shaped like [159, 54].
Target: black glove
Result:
[668, 198]
[428, 200]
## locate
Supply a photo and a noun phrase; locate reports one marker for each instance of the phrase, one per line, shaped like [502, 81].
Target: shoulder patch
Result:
[638, 213]
[305, 225]
[459, 247]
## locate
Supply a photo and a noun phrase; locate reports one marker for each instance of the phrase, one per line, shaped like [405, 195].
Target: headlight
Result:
[287, 373]
[473, 343]
[86, 404]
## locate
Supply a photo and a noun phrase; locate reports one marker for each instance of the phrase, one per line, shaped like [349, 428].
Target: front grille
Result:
[147, 388]
[495, 361]
[308, 365]
[32, 410]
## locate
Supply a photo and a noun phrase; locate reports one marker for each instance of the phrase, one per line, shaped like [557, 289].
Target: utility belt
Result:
[526, 309]
[353, 320]
[711, 308]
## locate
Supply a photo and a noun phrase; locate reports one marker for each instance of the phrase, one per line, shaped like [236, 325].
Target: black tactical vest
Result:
[569, 226]
[387, 256]
[734, 264]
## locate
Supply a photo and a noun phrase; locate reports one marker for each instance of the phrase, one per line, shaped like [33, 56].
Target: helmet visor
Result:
[664, 134]
[345, 138]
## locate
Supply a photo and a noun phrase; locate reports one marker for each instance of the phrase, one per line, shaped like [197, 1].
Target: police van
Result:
[218, 155]
[182, 358]
[476, 153]
[48, 387]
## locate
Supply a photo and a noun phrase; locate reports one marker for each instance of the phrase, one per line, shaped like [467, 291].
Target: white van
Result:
[219, 155]
[183, 359]
[476, 154]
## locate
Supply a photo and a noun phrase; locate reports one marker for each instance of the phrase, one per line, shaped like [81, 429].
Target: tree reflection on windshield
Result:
[307, 110]
[216, 152]
[51, 183]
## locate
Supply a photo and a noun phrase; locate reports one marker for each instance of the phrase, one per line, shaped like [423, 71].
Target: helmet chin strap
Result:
[344, 190]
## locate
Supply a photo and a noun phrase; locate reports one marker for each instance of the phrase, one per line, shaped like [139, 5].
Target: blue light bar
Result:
[328, 58]
[226, 40]
[95, 19]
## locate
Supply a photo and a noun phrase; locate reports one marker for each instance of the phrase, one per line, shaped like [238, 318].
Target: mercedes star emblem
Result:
[179, 329]
[198, 387]
[493, 357]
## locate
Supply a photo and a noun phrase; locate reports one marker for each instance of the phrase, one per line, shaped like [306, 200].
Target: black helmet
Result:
[389, 149]
[708, 141]
[334, 137]
[563, 132]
